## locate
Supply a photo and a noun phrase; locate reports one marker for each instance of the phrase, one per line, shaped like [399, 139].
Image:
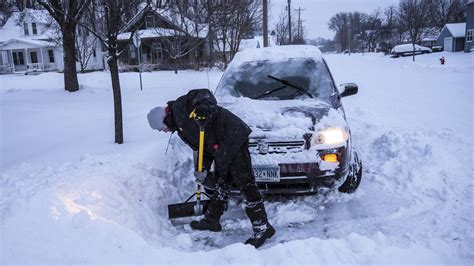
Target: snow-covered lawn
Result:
[70, 195]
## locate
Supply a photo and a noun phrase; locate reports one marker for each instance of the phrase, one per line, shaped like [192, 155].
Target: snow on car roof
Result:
[408, 47]
[278, 53]
[458, 30]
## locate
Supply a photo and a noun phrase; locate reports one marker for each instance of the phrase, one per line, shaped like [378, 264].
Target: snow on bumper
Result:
[301, 172]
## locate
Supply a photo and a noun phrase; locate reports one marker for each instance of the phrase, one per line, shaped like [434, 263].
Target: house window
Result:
[51, 56]
[469, 36]
[18, 58]
[94, 54]
[33, 28]
[34, 57]
[157, 51]
[150, 21]
[132, 51]
[25, 27]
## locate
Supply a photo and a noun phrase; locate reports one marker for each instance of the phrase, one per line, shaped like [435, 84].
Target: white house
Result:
[27, 44]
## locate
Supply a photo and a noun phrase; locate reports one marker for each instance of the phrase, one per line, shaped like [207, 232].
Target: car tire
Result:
[352, 182]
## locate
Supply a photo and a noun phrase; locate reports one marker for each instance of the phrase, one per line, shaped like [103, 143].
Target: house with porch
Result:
[166, 41]
[28, 43]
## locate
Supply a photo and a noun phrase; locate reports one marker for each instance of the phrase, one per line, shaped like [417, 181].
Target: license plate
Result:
[267, 173]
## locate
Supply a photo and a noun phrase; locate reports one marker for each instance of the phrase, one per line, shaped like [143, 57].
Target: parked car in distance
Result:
[437, 48]
[300, 141]
[407, 49]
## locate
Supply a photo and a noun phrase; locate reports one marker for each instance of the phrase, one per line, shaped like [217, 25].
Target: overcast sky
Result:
[318, 12]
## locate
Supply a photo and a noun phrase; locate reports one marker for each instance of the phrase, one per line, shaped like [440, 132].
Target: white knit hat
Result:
[156, 118]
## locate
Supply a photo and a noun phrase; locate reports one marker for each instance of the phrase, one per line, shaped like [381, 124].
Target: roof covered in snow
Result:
[13, 28]
[458, 30]
[185, 25]
[27, 43]
[278, 53]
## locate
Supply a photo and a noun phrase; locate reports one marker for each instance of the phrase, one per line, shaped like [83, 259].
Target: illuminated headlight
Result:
[332, 136]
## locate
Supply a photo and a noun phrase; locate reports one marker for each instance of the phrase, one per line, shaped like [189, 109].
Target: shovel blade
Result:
[187, 209]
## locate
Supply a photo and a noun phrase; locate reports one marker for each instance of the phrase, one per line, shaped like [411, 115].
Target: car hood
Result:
[284, 119]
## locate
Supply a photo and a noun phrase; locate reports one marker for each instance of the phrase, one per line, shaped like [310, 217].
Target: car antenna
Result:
[208, 86]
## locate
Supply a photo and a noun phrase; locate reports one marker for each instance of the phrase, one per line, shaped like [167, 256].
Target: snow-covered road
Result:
[69, 195]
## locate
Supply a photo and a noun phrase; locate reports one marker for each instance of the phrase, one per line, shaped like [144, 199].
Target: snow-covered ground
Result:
[69, 195]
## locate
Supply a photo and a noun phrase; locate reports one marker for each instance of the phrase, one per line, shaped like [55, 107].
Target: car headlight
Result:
[332, 136]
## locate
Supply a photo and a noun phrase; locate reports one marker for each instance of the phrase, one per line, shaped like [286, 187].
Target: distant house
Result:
[469, 46]
[27, 44]
[430, 37]
[167, 42]
[453, 37]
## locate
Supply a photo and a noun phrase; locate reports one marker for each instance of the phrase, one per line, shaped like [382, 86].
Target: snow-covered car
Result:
[407, 49]
[300, 141]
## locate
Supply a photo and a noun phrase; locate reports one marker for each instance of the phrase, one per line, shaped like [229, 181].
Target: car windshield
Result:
[256, 79]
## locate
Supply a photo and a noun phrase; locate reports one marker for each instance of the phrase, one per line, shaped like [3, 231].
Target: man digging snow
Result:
[226, 144]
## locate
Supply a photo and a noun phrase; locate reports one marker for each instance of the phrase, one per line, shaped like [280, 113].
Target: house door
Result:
[19, 61]
[448, 44]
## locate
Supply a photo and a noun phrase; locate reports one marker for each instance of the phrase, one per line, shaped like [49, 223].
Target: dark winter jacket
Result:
[224, 134]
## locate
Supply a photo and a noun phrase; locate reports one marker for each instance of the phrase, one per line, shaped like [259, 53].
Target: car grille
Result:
[263, 147]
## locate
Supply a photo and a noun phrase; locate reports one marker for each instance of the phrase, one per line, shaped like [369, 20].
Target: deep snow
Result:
[69, 195]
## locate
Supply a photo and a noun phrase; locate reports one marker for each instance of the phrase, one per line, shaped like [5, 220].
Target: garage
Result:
[452, 37]
[448, 44]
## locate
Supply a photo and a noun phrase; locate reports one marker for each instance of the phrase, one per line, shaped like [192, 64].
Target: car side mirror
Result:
[349, 89]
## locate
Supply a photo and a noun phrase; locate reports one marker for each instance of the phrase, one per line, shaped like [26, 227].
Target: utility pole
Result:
[349, 37]
[300, 23]
[289, 21]
[265, 23]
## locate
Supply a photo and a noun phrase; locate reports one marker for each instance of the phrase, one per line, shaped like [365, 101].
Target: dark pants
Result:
[241, 174]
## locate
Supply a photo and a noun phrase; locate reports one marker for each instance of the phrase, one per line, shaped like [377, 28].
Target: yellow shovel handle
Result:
[201, 150]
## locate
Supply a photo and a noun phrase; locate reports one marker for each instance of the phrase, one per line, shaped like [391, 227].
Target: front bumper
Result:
[300, 179]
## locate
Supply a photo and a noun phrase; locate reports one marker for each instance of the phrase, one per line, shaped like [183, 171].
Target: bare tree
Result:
[111, 16]
[446, 11]
[66, 14]
[347, 27]
[281, 28]
[389, 25]
[86, 46]
[414, 16]
[189, 35]
[232, 21]
[372, 29]
[6, 9]
[340, 24]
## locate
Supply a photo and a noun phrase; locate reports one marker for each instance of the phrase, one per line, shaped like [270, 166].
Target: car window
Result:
[251, 79]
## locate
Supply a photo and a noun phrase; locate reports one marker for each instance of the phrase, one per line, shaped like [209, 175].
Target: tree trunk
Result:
[71, 83]
[413, 52]
[114, 74]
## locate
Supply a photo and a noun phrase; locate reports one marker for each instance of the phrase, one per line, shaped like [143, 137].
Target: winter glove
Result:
[200, 176]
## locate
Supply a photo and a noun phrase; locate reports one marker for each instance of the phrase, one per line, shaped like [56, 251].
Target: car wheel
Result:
[352, 182]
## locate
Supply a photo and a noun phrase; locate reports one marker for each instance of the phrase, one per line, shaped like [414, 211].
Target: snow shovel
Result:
[198, 207]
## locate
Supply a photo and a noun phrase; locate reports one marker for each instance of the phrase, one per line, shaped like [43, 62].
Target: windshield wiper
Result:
[286, 83]
[269, 92]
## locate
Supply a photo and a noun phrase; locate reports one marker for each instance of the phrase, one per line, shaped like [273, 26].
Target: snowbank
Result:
[69, 195]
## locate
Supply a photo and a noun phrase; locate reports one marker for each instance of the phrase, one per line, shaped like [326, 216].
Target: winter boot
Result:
[260, 235]
[212, 217]
[262, 230]
[204, 224]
